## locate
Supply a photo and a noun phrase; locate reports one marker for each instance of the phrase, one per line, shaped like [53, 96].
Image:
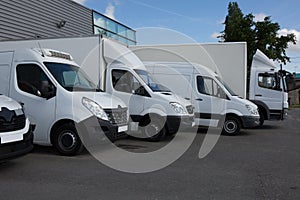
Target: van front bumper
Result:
[93, 130]
[250, 121]
[16, 149]
[176, 123]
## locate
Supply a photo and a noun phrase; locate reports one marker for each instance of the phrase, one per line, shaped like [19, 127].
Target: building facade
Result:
[27, 19]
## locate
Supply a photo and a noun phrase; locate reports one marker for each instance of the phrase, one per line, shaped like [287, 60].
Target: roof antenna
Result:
[43, 54]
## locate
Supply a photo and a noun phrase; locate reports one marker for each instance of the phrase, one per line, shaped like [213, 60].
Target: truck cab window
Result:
[124, 81]
[269, 81]
[33, 80]
[208, 86]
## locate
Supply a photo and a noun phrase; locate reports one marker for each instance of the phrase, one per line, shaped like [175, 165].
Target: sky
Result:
[200, 20]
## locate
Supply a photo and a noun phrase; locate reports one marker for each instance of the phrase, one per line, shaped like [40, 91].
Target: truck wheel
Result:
[261, 117]
[155, 130]
[67, 141]
[231, 126]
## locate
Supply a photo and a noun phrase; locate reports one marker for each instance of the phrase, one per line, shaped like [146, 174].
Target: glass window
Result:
[269, 81]
[99, 20]
[70, 77]
[208, 86]
[124, 81]
[33, 80]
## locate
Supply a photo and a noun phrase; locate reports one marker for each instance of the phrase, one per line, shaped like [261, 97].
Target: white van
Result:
[57, 95]
[212, 99]
[153, 107]
[15, 131]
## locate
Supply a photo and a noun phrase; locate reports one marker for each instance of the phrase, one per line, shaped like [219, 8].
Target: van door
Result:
[36, 92]
[210, 98]
[268, 90]
[127, 87]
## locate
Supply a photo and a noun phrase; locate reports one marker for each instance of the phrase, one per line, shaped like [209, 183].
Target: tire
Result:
[261, 117]
[155, 130]
[232, 126]
[67, 141]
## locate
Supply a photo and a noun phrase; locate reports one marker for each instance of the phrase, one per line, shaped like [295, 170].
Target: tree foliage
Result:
[260, 35]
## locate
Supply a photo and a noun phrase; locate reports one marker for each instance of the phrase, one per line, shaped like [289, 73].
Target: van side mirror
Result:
[141, 91]
[48, 90]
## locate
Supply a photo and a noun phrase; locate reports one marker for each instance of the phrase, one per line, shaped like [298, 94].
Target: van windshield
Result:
[151, 82]
[232, 93]
[71, 77]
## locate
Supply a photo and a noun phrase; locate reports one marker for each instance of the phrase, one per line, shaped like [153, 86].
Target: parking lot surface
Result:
[262, 163]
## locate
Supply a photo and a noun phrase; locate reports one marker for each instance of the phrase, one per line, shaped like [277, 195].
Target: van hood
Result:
[171, 97]
[105, 100]
[8, 103]
[243, 101]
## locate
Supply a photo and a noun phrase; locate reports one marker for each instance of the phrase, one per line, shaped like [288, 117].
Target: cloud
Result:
[259, 17]
[215, 35]
[80, 1]
[292, 47]
[110, 11]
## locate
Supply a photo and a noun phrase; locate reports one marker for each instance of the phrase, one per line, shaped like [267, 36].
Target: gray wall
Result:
[21, 19]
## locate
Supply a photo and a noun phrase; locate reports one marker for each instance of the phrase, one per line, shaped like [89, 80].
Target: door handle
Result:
[199, 99]
[186, 98]
[258, 95]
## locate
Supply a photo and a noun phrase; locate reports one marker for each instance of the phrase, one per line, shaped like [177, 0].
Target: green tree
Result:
[258, 35]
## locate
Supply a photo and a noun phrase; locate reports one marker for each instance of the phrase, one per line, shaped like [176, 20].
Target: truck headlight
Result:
[94, 108]
[178, 108]
[252, 110]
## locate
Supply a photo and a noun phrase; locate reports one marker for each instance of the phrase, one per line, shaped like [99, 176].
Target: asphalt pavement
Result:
[262, 163]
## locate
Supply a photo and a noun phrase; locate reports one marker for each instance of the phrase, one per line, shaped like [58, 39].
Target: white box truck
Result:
[229, 60]
[215, 104]
[16, 138]
[154, 111]
[57, 96]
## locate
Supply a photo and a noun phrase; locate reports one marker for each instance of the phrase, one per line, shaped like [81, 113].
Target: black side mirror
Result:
[48, 90]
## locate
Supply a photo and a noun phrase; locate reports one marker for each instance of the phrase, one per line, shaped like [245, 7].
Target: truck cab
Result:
[268, 89]
[58, 97]
[16, 138]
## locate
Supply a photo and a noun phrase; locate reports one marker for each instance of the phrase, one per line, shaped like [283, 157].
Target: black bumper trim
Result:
[16, 149]
[250, 121]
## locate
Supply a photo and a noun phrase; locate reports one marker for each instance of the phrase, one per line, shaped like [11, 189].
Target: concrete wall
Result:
[22, 19]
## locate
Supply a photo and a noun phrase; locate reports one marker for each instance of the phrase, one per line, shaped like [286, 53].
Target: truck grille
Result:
[117, 116]
[10, 122]
[190, 109]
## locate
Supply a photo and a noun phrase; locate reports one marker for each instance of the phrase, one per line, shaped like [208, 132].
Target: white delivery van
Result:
[15, 131]
[229, 59]
[57, 95]
[154, 110]
[215, 104]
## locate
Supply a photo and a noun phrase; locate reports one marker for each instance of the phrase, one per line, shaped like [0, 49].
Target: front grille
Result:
[117, 116]
[16, 123]
[190, 109]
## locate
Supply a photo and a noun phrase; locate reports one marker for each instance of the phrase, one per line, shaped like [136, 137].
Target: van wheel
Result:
[231, 126]
[155, 130]
[67, 141]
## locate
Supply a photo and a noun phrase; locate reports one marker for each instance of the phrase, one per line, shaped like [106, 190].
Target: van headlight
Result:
[252, 110]
[94, 108]
[178, 108]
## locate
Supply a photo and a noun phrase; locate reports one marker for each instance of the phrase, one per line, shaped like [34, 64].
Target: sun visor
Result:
[115, 52]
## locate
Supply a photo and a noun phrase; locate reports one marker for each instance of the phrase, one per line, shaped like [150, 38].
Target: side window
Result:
[208, 86]
[124, 81]
[268, 81]
[33, 80]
